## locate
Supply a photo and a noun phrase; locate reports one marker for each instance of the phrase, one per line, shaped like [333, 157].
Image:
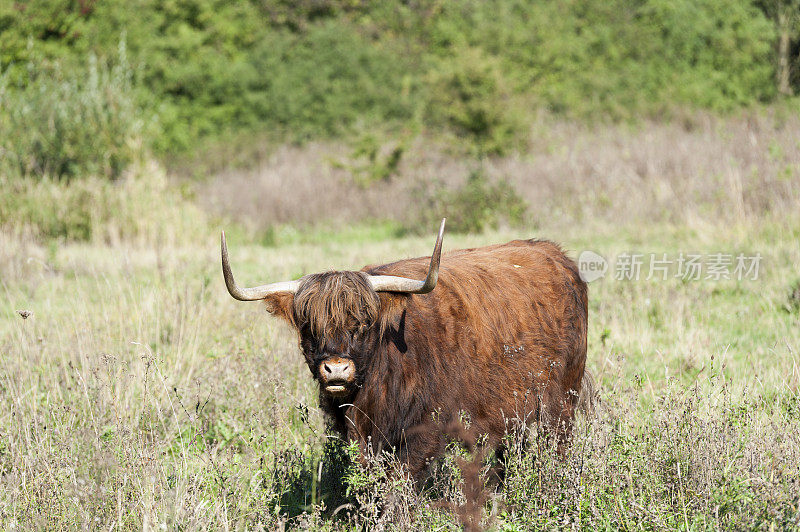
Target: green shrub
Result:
[600, 58]
[793, 299]
[334, 67]
[138, 210]
[475, 206]
[471, 96]
[371, 162]
[66, 123]
[318, 83]
[325, 81]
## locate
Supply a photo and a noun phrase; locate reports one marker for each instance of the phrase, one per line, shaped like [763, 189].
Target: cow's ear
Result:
[392, 307]
[280, 304]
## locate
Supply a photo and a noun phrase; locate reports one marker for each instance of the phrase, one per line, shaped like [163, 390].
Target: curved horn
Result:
[251, 294]
[390, 283]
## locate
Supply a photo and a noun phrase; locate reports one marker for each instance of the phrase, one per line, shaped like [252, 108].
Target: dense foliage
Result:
[209, 68]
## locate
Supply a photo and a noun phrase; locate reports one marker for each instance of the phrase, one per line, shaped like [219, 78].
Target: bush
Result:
[325, 81]
[600, 58]
[318, 83]
[66, 123]
[471, 96]
[473, 207]
[140, 210]
[332, 67]
[371, 163]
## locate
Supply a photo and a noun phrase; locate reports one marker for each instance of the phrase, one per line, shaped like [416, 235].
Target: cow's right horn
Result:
[251, 294]
[390, 283]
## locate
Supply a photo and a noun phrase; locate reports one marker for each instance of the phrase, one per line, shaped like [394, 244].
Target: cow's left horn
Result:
[390, 283]
[251, 294]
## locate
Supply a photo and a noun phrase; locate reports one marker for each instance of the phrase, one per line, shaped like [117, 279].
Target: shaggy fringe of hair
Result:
[334, 302]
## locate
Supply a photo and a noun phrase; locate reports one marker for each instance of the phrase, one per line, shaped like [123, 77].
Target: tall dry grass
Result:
[139, 395]
[143, 208]
[698, 170]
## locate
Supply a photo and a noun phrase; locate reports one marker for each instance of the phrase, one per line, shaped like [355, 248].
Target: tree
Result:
[786, 16]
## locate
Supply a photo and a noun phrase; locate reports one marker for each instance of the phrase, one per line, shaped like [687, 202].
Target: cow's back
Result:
[502, 336]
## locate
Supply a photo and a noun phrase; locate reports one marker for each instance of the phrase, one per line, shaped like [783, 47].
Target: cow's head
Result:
[337, 314]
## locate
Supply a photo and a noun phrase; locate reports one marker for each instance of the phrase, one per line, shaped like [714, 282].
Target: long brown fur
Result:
[501, 339]
[335, 302]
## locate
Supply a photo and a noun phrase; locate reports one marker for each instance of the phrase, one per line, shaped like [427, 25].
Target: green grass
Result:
[139, 394]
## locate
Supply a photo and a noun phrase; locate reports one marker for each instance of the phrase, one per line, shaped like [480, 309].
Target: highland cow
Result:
[492, 335]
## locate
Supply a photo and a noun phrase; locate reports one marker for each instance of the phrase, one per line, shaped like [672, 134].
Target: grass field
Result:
[135, 394]
[138, 394]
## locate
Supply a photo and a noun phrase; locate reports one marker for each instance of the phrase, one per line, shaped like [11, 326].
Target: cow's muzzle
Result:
[337, 375]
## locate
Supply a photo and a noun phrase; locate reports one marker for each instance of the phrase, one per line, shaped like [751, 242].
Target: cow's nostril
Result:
[328, 369]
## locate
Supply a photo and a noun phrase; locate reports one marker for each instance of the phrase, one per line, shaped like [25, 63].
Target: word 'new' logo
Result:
[591, 266]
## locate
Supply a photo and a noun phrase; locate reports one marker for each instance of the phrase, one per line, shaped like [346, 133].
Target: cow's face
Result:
[337, 362]
[336, 314]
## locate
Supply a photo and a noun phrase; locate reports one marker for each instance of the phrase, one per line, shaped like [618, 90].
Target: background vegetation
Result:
[135, 394]
[204, 70]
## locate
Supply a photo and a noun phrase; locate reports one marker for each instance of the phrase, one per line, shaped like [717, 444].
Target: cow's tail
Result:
[588, 397]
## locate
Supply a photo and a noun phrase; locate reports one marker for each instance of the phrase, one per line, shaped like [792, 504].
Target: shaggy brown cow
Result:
[501, 338]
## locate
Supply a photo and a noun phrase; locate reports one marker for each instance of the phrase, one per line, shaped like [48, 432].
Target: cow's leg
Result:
[418, 450]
